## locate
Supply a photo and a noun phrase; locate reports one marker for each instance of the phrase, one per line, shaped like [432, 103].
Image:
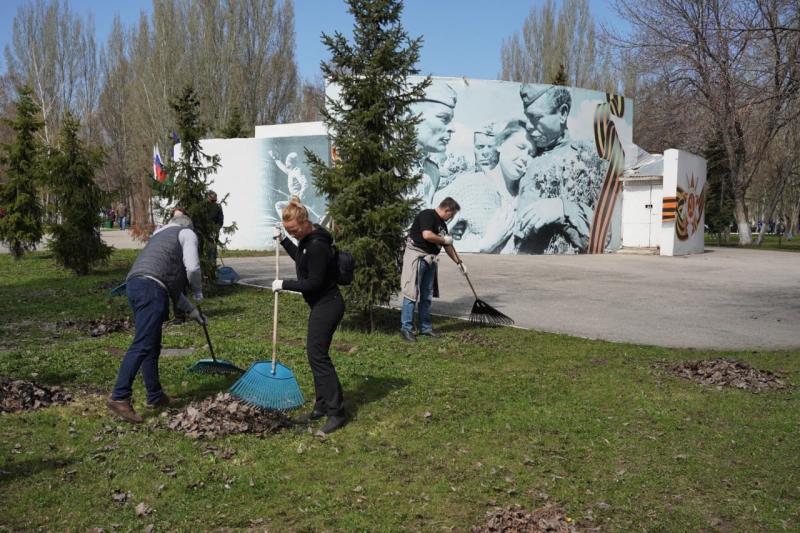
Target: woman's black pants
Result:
[322, 322]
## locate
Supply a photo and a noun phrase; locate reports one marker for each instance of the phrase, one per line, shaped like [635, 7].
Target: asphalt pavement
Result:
[723, 299]
[726, 298]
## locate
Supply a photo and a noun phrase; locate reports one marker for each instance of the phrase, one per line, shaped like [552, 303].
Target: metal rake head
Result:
[486, 315]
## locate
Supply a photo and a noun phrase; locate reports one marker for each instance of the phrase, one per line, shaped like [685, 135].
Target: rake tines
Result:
[486, 315]
[482, 313]
[266, 388]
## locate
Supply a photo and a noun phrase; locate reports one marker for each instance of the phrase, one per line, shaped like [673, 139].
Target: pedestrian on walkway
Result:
[418, 279]
[161, 271]
[316, 268]
[123, 217]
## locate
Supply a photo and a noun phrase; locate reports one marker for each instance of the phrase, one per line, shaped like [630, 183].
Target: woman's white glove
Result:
[277, 285]
[448, 240]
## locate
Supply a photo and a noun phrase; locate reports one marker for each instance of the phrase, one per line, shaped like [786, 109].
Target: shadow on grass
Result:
[23, 469]
[386, 321]
[371, 389]
[204, 386]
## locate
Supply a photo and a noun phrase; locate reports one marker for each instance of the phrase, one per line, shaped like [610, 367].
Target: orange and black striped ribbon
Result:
[669, 208]
[609, 148]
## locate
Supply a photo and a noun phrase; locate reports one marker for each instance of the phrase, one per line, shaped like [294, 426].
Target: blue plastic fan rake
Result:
[213, 365]
[269, 384]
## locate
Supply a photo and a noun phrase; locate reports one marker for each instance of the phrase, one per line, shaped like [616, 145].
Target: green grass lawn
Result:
[441, 431]
[771, 242]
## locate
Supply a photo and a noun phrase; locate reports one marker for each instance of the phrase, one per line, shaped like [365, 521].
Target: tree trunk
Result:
[740, 213]
[371, 320]
[791, 226]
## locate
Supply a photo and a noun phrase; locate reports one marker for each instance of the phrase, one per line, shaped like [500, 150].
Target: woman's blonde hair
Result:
[295, 211]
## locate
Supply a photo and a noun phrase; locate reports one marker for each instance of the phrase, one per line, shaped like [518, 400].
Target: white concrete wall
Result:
[295, 129]
[253, 175]
[684, 178]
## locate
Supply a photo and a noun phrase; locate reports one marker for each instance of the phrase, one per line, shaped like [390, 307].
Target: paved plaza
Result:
[726, 298]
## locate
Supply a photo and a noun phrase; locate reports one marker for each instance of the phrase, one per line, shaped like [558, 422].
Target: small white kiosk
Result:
[663, 201]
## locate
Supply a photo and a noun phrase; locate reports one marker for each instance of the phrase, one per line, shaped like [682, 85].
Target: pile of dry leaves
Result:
[98, 327]
[223, 415]
[549, 519]
[726, 373]
[19, 395]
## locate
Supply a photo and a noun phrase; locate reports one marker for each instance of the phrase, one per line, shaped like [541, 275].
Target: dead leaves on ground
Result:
[20, 395]
[549, 518]
[222, 415]
[98, 327]
[727, 373]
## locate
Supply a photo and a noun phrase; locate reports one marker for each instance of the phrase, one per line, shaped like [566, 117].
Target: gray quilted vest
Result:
[162, 259]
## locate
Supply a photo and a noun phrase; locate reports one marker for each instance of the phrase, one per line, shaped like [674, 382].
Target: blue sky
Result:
[461, 37]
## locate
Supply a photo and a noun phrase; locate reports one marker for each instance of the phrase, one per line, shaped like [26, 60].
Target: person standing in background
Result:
[217, 221]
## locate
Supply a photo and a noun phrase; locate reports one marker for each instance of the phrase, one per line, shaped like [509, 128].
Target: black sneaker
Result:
[332, 424]
[407, 336]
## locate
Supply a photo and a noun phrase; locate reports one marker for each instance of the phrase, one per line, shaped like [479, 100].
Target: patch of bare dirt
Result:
[727, 373]
[20, 395]
[222, 415]
[549, 518]
[473, 338]
[344, 347]
[99, 326]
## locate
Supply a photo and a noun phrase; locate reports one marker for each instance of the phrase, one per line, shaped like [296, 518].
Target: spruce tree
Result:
[76, 243]
[234, 127]
[21, 220]
[719, 206]
[373, 131]
[189, 174]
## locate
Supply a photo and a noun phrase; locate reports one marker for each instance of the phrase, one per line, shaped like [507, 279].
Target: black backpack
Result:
[345, 266]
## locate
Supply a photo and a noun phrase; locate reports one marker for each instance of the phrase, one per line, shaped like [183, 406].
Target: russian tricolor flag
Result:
[158, 166]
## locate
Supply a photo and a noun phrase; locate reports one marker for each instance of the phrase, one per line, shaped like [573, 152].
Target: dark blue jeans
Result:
[425, 278]
[150, 304]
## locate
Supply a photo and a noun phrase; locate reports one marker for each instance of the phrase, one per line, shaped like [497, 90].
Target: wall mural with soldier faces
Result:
[534, 167]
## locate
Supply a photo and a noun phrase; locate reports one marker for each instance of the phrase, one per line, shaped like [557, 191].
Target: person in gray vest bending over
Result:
[161, 272]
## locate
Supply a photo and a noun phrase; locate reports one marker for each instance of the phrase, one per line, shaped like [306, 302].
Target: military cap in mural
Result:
[442, 93]
[530, 92]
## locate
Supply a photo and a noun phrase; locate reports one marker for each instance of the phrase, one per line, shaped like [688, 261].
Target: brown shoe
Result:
[163, 401]
[124, 409]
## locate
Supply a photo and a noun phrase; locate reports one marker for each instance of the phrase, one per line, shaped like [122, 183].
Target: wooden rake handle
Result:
[459, 261]
[275, 311]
